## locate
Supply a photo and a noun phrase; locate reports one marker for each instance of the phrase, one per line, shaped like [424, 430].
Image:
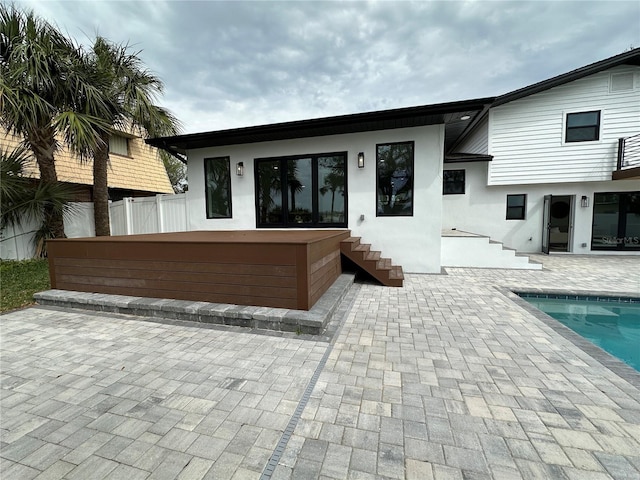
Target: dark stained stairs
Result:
[371, 262]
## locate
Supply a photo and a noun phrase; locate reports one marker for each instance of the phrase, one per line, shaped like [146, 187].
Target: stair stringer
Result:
[371, 261]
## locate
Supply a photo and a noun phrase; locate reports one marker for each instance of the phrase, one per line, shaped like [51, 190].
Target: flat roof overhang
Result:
[451, 114]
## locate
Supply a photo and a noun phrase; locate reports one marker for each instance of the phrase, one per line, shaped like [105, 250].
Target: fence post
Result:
[160, 213]
[110, 203]
[128, 221]
[186, 211]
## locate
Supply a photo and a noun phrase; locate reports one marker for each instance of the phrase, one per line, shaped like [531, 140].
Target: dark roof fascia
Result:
[631, 57]
[467, 157]
[354, 123]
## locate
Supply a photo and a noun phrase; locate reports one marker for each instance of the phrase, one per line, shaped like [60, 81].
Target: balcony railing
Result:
[629, 152]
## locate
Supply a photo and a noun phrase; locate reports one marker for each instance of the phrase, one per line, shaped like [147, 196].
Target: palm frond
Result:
[23, 198]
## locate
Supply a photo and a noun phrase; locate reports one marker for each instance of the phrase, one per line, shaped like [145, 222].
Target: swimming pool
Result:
[611, 323]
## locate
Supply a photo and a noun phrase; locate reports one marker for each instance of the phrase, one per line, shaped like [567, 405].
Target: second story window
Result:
[582, 127]
[119, 145]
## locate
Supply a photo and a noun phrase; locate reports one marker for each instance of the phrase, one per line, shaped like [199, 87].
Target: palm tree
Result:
[129, 91]
[40, 89]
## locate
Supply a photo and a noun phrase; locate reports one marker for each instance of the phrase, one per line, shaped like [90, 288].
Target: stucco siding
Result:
[482, 210]
[526, 136]
[412, 242]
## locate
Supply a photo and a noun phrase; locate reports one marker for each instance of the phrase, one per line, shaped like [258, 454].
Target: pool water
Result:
[613, 325]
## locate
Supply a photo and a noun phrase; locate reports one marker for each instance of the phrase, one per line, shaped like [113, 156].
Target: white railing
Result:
[162, 213]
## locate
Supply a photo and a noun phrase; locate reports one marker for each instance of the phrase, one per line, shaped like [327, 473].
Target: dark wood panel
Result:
[168, 286]
[196, 277]
[150, 251]
[180, 266]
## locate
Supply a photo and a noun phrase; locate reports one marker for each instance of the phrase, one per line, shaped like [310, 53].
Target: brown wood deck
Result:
[271, 268]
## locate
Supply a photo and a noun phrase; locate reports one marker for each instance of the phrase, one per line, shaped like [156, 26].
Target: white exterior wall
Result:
[412, 242]
[526, 136]
[482, 209]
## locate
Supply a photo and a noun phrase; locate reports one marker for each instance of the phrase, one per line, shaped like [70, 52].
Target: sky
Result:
[230, 64]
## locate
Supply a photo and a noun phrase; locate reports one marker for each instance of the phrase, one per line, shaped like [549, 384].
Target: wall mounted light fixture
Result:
[240, 169]
[584, 201]
[361, 160]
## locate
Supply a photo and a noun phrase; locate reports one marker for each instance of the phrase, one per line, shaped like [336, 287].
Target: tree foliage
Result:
[25, 200]
[51, 88]
[41, 86]
[129, 92]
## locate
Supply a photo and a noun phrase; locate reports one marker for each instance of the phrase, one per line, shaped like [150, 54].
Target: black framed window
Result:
[302, 191]
[516, 206]
[394, 179]
[616, 221]
[583, 126]
[217, 187]
[453, 182]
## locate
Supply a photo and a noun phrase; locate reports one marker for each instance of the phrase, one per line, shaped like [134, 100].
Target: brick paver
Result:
[448, 377]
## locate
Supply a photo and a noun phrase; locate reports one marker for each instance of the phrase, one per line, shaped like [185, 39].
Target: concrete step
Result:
[481, 252]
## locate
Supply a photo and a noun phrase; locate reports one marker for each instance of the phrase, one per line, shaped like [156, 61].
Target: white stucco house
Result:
[496, 167]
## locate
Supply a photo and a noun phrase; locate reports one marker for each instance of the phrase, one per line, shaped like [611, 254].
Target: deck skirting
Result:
[277, 269]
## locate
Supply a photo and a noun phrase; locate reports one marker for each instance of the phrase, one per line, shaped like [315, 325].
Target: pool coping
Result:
[617, 366]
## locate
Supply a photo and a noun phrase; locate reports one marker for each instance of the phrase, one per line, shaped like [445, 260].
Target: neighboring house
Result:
[382, 174]
[135, 169]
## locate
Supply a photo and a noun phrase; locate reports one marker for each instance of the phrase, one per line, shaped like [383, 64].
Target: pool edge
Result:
[617, 366]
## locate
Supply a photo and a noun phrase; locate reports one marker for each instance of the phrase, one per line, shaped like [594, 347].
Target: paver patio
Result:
[448, 377]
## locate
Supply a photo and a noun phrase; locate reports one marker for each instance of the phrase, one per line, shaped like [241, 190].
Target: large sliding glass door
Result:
[616, 221]
[302, 191]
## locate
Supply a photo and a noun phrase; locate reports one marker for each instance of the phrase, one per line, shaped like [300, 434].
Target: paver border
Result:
[614, 364]
[314, 321]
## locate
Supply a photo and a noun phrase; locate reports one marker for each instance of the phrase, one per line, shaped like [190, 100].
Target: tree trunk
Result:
[100, 188]
[42, 144]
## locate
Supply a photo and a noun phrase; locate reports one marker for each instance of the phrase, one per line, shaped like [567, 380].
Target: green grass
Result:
[20, 280]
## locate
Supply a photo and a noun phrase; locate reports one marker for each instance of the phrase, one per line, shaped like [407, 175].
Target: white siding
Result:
[526, 136]
[477, 141]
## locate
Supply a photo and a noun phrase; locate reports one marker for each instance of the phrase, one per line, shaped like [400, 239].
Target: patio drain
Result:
[343, 311]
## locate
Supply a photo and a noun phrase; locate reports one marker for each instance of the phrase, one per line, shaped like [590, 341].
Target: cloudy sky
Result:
[236, 63]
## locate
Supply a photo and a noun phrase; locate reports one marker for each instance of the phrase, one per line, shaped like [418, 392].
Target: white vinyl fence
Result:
[162, 213]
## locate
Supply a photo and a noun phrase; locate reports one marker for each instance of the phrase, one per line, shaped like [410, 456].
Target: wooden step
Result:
[384, 264]
[372, 256]
[372, 262]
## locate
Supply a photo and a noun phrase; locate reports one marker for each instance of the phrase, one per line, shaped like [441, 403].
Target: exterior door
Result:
[557, 223]
[546, 224]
